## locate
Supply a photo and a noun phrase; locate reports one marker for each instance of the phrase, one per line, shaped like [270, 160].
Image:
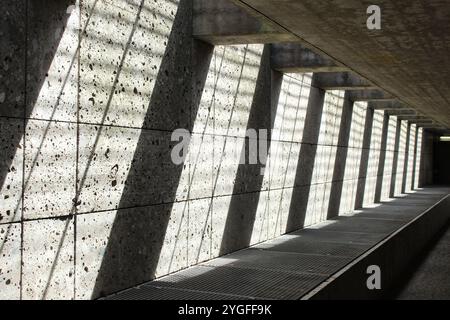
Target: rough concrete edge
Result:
[338, 285]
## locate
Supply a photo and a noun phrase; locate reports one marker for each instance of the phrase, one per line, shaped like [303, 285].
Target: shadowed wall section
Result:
[426, 156]
[418, 155]
[248, 185]
[377, 151]
[341, 158]
[388, 163]
[364, 178]
[400, 175]
[279, 177]
[409, 164]
[353, 162]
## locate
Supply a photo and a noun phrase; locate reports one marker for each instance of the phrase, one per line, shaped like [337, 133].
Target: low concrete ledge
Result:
[392, 255]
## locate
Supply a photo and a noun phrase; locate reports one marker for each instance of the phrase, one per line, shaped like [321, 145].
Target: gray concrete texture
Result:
[91, 202]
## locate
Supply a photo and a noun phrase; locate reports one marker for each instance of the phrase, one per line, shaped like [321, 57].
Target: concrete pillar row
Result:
[406, 162]
[368, 129]
[415, 158]
[381, 162]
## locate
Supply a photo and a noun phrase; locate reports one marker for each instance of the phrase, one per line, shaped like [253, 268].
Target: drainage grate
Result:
[146, 292]
[256, 283]
[359, 224]
[300, 245]
[281, 261]
[339, 236]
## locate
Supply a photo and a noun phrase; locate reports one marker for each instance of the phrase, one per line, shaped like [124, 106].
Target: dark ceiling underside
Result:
[409, 57]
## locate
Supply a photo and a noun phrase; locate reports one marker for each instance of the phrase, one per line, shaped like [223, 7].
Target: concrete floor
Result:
[430, 279]
[291, 265]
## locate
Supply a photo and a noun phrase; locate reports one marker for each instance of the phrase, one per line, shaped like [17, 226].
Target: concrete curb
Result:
[392, 255]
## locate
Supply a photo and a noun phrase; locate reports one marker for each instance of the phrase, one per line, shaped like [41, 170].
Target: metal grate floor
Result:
[253, 283]
[291, 265]
[280, 261]
[359, 224]
[147, 292]
[300, 245]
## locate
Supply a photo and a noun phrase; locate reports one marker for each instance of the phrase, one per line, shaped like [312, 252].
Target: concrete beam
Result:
[401, 112]
[370, 95]
[341, 81]
[221, 22]
[412, 118]
[430, 126]
[426, 123]
[388, 105]
[295, 58]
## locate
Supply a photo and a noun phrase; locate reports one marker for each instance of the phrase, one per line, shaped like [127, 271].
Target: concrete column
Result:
[380, 173]
[364, 158]
[406, 162]
[426, 163]
[341, 158]
[414, 164]
[305, 166]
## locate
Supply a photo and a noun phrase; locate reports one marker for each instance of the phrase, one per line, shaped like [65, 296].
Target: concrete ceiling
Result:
[408, 58]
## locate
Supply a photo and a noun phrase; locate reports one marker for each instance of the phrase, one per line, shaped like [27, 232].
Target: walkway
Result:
[291, 265]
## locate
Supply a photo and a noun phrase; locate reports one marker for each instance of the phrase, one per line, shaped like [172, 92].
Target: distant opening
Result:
[441, 169]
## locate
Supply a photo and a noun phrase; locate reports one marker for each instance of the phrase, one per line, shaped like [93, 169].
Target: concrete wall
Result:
[91, 201]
